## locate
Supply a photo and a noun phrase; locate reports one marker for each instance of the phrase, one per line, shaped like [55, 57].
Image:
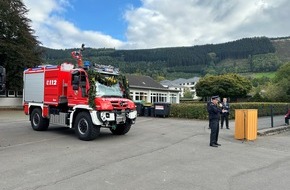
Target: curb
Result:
[11, 108]
[273, 131]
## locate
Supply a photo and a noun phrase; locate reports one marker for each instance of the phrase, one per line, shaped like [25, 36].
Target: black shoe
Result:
[213, 145]
[228, 128]
[218, 144]
[221, 127]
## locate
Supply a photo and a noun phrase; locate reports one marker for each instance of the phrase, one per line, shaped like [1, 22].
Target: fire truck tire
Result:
[121, 129]
[38, 123]
[84, 127]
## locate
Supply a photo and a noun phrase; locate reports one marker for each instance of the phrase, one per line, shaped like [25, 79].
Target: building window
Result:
[173, 98]
[140, 96]
[19, 93]
[132, 96]
[158, 97]
[143, 96]
[153, 97]
[163, 98]
[11, 93]
[3, 93]
[137, 96]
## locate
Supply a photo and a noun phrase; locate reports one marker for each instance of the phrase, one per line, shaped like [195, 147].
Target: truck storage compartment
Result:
[33, 87]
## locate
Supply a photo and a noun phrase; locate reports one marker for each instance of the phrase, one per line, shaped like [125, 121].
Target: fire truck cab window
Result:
[75, 80]
[83, 84]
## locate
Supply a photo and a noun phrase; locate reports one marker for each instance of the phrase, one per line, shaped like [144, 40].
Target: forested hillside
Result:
[244, 55]
[282, 46]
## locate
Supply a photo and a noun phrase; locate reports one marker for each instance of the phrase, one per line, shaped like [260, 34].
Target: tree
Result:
[277, 92]
[227, 85]
[18, 46]
[280, 89]
[265, 62]
[283, 73]
[160, 78]
[187, 93]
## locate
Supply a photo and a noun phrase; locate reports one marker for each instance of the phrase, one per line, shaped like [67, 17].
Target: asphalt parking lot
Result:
[157, 153]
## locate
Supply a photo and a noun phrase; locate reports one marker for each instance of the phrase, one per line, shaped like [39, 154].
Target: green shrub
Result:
[199, 111]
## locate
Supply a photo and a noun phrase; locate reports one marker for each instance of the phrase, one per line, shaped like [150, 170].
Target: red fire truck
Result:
[61, 95]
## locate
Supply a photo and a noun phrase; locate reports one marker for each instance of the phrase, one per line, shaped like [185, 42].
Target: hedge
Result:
[199, 111]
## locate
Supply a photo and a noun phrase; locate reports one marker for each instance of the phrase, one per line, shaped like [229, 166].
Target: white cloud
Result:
[166, 23]
[55, 32]
[161, 23]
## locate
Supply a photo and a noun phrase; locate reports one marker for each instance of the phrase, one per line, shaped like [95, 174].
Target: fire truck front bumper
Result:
[118, 117]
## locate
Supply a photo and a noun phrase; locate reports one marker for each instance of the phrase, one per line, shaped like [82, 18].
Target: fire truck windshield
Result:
[108, 91]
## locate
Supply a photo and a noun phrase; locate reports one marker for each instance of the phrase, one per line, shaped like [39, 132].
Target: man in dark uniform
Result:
[214, 110]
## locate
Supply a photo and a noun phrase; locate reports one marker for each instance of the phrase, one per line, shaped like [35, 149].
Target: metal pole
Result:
[272, 122]
[244, 126]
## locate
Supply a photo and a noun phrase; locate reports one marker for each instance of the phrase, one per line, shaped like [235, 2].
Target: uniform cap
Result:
[214, 97]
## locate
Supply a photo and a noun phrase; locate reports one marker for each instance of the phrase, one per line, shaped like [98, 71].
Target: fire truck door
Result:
[79, 84]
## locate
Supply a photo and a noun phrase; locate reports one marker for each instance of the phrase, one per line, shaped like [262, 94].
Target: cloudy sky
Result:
[140, 24]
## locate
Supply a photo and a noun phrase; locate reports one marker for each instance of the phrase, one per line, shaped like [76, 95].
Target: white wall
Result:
[10, 102]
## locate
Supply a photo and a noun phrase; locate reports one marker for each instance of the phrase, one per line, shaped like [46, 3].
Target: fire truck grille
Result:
[119, 104]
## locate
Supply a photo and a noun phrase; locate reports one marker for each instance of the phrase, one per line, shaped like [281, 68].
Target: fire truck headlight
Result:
[132, 114]
[105, 116]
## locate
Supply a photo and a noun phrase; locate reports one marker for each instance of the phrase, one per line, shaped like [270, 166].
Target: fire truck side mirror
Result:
[76, 82]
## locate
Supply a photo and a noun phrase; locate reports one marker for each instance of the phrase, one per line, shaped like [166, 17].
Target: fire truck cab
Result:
[60, 95]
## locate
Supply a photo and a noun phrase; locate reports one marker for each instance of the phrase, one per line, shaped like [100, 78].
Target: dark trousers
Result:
[214, 126]
[225, 117]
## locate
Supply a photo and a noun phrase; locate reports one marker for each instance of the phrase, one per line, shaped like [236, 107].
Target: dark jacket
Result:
[226, 106]
[213, 111]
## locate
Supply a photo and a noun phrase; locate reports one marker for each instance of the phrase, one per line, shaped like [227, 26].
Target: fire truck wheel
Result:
[84, 127]
[121, 129]
[38, 123]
